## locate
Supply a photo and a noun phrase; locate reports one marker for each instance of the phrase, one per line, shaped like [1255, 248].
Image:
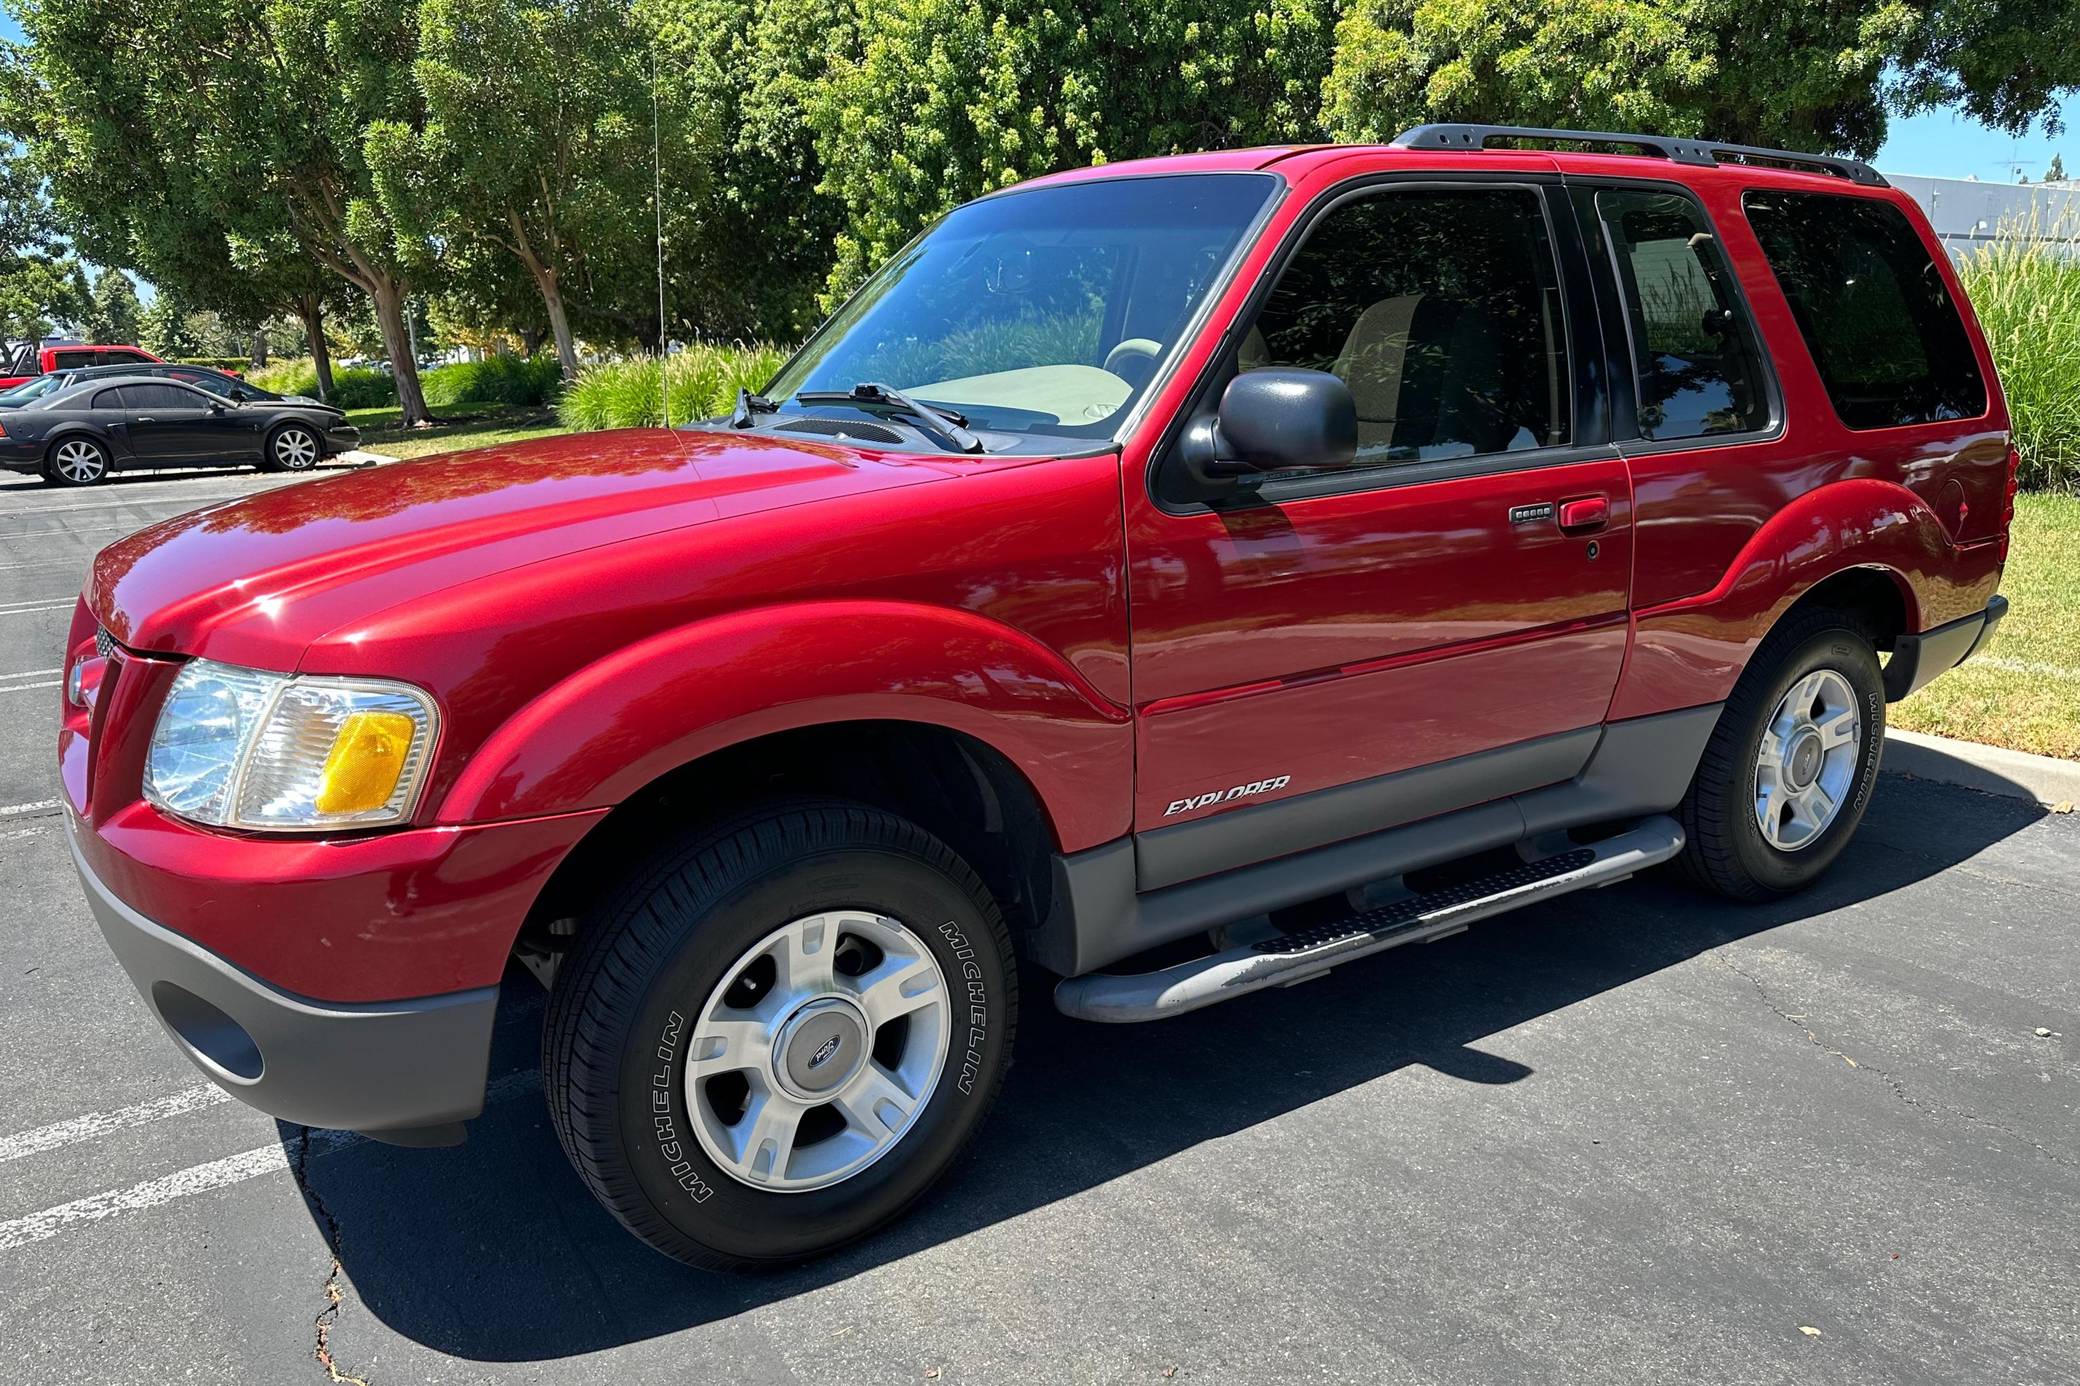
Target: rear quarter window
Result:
[1872, 306]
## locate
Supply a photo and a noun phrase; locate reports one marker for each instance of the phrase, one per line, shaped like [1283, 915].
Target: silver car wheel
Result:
[1806, 765]
[79, 462]
[295, 449]
[818, 1050]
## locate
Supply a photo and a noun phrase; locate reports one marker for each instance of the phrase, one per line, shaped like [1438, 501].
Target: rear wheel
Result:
[779, 1035]
[1789, 770]
[76, 462]
[292, 448]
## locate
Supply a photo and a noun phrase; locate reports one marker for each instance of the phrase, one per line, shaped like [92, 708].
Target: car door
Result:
[1323, 655]
[172, 425]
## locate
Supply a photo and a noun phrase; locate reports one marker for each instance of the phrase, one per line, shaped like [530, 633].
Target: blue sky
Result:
[1939, 145]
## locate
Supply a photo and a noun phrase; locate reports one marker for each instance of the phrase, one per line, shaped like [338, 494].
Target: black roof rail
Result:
[1675, 148]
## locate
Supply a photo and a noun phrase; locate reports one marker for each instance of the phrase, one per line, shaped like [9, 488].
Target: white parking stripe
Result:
[63, 531]
[24, 608]
[10, 810]
[196, 1179]
[25, 687]
[86, 1128]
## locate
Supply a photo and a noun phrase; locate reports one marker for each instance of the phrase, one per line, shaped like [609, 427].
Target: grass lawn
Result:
[461, 426]
[2022, 691]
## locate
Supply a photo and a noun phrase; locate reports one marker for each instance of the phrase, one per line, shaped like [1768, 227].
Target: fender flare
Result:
[613, 726]
[1690, 651]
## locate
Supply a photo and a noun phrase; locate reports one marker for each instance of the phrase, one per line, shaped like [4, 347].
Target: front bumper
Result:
[409, 1072]
[1917, 659]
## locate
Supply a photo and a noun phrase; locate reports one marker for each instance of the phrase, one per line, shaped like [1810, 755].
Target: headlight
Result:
[240, 748]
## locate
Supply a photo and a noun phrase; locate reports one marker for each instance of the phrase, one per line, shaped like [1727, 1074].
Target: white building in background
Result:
[1968, 213]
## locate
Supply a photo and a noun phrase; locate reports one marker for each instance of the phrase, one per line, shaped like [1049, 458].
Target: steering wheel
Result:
[1134, 360]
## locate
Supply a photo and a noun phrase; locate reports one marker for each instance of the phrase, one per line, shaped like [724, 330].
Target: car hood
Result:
[256, 580]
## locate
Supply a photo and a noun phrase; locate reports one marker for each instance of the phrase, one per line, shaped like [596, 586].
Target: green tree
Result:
[536, 139]
[116, 314]
[944, 100]
[240, 122]
[2057, 172]
[1800, 75]
[165, 330]
[748, 256]
[42, 287]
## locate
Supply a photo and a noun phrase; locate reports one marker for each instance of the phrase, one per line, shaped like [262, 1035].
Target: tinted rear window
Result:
[1873, 307]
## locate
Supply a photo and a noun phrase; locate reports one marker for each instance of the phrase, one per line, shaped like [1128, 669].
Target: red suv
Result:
[1181, 576]
[30, 361]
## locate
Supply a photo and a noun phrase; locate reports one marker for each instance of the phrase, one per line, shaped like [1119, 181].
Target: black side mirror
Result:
[1275, 419]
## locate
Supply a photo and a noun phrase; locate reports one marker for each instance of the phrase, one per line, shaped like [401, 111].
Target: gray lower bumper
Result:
[1918, 659]
[403, 1071]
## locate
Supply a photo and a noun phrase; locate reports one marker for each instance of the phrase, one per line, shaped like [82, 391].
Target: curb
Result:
[1988, 769]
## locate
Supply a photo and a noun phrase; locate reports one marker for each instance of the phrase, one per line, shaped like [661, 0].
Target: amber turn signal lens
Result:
[366, 761]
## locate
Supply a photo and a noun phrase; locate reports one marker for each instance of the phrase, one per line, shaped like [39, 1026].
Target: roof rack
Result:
[1678, 150]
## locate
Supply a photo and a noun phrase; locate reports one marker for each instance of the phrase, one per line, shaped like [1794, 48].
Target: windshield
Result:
[32, 389]
[1046, 311]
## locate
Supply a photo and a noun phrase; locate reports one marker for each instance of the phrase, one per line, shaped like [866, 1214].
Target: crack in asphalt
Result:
[1891, 1080]
[335, 1293]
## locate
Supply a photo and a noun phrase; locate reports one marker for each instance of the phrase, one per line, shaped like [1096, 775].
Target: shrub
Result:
[358, 388]
[215, 363]
[703, 380]
[2025, 288]
[502, 379]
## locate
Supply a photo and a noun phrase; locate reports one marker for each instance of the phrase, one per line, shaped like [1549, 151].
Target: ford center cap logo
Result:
[824, 1052]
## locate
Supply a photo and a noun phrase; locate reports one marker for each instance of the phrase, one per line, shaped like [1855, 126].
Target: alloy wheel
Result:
[818, 1050]
[295, 449]
[79, 462]
[1805, 767]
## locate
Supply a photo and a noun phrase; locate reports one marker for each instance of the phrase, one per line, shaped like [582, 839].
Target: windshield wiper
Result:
[943, 426]
[749, 407]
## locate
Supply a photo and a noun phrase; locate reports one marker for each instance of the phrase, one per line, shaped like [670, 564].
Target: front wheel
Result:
[781, 1034]
[292, 448]
[1790, 767]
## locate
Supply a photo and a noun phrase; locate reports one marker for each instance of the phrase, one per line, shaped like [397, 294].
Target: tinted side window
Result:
[119, 357]
[109, 399]
[203, 380]
[1872, 306]
[158, 397]
[1441, 311]
[1694, 351]
[67, 360]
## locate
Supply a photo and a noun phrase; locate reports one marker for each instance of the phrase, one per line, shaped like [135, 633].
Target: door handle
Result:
[1584, 513]
[144, 418]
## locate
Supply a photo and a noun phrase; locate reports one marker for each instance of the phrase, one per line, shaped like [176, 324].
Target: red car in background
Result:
[30, 360]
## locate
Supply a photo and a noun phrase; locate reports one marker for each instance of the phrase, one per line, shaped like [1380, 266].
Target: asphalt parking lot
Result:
[1629, 1136]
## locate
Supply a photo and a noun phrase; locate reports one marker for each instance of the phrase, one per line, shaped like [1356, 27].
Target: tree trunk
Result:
[260, 348]
[544, 272]
[559, 324]
[388, 297]
[312, 310]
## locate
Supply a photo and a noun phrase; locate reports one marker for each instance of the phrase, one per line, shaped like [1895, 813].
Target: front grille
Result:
[104, 643]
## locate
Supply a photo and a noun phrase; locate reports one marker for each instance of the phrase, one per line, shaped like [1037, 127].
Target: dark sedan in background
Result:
[222, 384]
[76, 434]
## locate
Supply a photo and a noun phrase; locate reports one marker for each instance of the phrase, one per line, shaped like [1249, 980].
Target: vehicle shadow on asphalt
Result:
[494, 1250]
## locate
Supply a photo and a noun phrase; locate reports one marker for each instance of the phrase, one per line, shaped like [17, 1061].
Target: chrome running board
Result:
[1296, 957]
